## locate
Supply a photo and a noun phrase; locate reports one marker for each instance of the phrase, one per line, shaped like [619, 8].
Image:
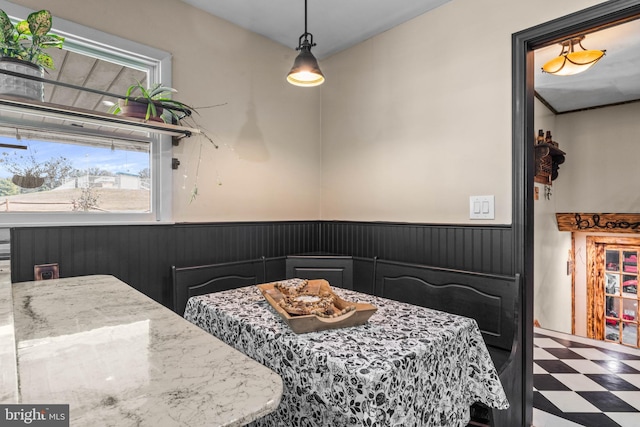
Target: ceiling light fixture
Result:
[570, 61]
[305, 71]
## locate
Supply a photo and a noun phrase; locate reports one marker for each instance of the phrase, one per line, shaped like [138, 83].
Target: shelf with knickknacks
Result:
[548, 158]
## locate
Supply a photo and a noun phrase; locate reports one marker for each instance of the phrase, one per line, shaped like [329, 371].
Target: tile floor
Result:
[582, 382]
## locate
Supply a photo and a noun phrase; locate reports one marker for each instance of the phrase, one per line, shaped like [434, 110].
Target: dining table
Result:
[406, 366]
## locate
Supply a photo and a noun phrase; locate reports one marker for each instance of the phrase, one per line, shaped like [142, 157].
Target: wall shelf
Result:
[23, 112]
[17, 112]
[547, 159]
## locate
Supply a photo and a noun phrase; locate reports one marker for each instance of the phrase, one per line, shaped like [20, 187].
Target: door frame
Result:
[523, 45]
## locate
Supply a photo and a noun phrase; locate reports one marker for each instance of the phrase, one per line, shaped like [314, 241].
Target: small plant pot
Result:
[138, 110]
[20, 86]
[27, 181]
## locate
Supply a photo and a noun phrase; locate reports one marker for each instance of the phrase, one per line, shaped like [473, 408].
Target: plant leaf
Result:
[22, 28]
[6, 28]
[45, 60]
[194, 193]
[39, 23]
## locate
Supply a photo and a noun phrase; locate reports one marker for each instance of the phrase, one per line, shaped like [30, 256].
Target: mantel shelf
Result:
[80, 117]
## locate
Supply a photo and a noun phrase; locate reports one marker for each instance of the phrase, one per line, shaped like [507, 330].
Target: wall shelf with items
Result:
[27, 113]
[548, 157]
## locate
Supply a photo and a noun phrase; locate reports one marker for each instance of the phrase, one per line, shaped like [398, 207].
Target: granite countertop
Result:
[119, 358]
[8, 374]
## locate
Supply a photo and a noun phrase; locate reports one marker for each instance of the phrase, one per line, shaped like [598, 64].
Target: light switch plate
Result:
[482, 207]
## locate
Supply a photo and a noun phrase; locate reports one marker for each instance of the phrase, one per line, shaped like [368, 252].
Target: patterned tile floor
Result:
[582, 382]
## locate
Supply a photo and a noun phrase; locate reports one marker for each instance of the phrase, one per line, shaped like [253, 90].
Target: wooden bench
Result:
[205, 279]
[492, 300]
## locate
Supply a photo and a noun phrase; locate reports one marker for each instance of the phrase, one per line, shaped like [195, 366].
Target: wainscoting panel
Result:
[142, 255]
[194, 243]
[484, 249]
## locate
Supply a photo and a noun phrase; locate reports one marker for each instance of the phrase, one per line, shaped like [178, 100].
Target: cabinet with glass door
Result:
[621, 295]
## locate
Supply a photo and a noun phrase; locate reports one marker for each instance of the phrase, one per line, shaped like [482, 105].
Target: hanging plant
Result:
[27, 172]
[29, 180]
[194, 190]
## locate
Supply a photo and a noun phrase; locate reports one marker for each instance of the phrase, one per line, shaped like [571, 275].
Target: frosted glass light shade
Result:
[572, 62]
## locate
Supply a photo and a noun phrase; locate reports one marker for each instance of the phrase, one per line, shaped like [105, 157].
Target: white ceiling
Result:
[335, 24]
[339, 24]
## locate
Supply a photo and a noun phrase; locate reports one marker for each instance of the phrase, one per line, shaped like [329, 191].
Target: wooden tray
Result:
[312, 323]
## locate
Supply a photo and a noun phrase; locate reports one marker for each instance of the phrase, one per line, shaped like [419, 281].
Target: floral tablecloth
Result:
[408, 366]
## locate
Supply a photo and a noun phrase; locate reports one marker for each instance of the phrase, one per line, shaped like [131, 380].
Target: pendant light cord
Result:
[306, 39]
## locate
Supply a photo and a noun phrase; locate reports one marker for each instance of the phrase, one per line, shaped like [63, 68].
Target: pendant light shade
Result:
[305, 71]
[571, 61]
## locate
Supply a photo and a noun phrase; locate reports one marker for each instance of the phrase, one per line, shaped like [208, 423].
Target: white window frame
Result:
[89, 41]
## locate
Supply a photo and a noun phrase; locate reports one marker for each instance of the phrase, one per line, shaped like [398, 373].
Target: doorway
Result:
[592, 116]
[523, 45]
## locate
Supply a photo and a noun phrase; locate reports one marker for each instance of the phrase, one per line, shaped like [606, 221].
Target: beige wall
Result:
[602, 173]
[408, 125]
[552, 284]
[417, 119]
[268, 131]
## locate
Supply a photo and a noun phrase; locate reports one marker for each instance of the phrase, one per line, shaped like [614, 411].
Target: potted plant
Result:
[22, 50]
[151, 103]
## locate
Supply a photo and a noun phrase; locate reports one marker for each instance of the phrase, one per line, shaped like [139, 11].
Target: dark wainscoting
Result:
[483, 249]
[142, 255]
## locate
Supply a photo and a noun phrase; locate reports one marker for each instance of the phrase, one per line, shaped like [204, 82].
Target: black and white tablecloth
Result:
[408, 366]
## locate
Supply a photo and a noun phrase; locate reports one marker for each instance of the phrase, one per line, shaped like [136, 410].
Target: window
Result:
[52, 172]
[60, 171]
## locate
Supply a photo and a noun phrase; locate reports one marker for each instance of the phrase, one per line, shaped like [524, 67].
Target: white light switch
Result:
[482, 207]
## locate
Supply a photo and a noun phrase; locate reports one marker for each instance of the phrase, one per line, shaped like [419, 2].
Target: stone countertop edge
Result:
[112, 353]
[8, 373]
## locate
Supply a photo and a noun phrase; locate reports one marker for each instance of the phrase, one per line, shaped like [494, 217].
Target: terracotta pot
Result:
[19, 86]
[138, 110]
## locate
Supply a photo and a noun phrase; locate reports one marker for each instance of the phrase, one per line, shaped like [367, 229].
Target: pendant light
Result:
[305, 71]
[571, 61]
